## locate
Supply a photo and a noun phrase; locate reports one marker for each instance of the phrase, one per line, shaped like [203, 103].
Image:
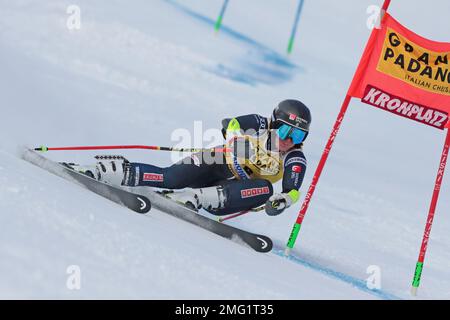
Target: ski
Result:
[257, 242]
[126, 198]
[141, 199]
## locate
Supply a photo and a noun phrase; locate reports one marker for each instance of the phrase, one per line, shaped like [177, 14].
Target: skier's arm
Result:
[248, 124]
[294, 172]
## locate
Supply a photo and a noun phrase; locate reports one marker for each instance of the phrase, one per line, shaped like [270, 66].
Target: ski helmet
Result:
[293, 113]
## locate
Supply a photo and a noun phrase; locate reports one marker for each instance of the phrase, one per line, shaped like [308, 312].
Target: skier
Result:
[260, 152]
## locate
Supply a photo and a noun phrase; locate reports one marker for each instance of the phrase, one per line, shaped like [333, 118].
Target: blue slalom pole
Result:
[294, 28]
[220, 18]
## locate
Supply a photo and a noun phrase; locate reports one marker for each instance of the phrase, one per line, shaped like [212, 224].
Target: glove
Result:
[278, 203]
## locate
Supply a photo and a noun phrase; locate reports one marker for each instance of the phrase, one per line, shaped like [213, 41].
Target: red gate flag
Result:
[406, 74]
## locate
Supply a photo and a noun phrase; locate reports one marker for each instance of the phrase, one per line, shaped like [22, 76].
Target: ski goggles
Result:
[286, 131]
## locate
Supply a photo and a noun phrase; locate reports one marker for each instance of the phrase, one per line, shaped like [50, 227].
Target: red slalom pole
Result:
[429, 224]
[43, 148]
[222, 219]
[384, 8]
[323, 159]
[312, 187]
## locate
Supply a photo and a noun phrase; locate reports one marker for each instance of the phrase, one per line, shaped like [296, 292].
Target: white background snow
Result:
[138, 70]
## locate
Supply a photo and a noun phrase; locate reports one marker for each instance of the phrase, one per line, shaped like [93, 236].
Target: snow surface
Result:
[134, 73]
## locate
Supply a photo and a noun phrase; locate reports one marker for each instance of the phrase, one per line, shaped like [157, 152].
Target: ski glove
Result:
[278, 203]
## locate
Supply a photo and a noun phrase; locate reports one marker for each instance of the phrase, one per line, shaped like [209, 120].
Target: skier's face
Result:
[285, 145]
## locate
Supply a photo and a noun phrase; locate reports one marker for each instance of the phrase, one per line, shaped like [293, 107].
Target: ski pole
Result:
[222, 219]
[157, 148]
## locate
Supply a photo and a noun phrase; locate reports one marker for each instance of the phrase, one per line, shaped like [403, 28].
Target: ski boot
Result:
[113, 172]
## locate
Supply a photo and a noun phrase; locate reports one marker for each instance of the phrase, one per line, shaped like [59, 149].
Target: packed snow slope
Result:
[139, 72]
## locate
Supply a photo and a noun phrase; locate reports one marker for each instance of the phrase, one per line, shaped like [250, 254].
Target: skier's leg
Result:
[192, 172]
[241, 195]
[187, 173]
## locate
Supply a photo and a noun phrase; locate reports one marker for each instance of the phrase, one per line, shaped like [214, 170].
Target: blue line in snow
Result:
[272, 55]
[262, 64]
[355, 282]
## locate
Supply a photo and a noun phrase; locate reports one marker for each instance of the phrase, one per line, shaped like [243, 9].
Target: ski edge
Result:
[257, 242]
[114, 193]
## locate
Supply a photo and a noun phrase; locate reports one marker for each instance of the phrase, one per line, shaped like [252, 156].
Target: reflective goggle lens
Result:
[286, 131]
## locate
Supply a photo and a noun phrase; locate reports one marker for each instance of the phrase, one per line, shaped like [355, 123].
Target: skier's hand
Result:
[233, 130]
[278, 203]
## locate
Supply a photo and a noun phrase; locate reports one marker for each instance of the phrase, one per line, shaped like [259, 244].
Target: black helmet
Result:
[293, 113]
